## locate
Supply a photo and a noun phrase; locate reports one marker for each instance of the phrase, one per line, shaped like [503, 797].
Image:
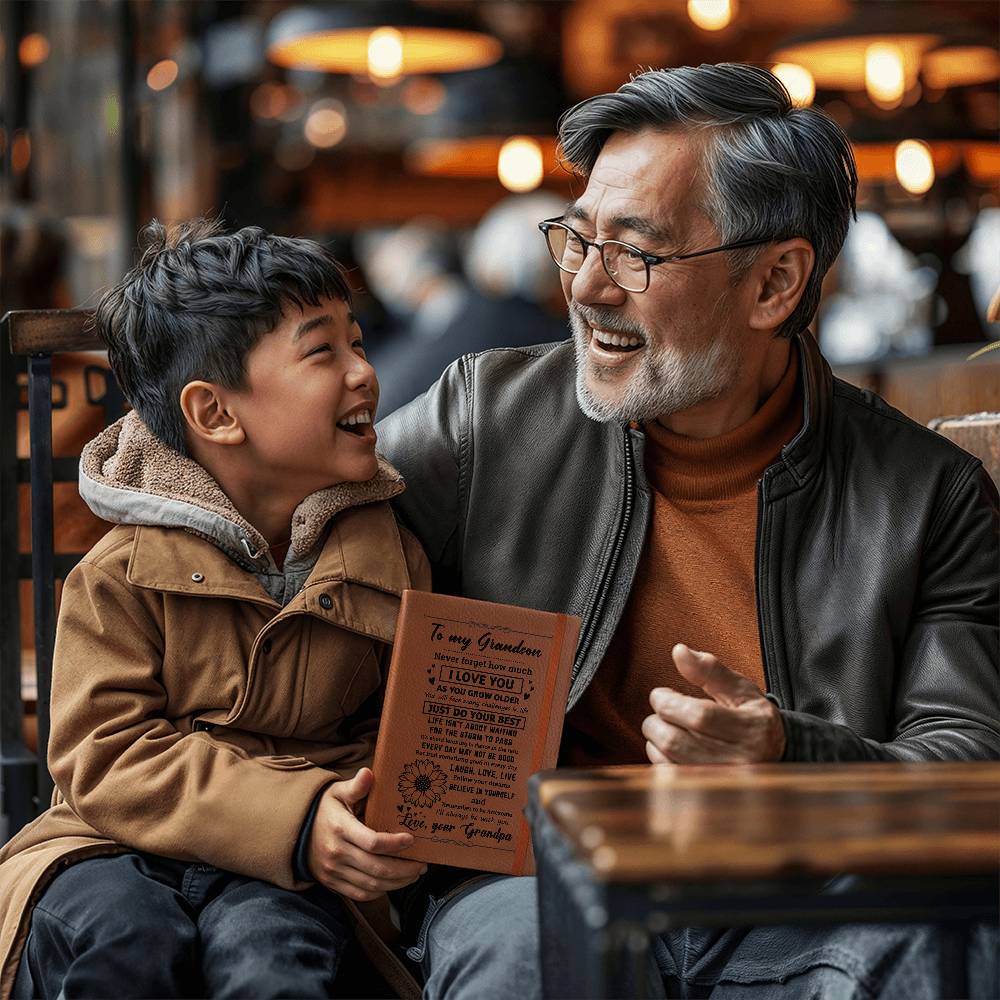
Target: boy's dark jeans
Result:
[137, 925]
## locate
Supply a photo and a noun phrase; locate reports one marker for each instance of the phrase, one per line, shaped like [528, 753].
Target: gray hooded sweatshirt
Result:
[129, 476]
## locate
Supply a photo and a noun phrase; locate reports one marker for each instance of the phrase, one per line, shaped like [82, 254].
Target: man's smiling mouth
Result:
[623, 343]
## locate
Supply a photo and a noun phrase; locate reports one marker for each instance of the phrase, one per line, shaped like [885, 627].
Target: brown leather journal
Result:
[474, 705]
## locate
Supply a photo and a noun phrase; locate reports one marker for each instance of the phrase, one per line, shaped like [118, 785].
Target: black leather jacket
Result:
[877, 546]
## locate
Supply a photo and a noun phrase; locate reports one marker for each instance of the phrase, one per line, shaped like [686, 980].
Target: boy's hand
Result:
[348, 857]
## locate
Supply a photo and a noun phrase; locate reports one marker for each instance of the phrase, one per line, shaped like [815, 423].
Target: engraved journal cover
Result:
[474, 705]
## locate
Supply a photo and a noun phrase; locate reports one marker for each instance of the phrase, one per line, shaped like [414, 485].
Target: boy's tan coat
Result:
[159, 630]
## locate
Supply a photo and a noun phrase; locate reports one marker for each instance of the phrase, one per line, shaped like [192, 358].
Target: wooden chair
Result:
[37, 335]
[978, 433]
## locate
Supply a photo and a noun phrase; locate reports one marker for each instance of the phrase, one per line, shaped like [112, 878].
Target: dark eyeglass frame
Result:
[650, 259]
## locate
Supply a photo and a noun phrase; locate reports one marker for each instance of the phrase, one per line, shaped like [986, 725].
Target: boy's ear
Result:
[208, 416]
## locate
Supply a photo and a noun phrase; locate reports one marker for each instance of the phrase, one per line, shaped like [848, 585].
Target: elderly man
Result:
[769, 563]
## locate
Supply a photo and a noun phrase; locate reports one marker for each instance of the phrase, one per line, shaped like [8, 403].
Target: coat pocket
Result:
[365, 679]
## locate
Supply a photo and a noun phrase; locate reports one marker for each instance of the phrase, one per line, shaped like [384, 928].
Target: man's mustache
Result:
[606, 319]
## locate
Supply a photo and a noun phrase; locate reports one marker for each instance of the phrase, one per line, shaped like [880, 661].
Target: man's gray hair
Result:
[770, 170]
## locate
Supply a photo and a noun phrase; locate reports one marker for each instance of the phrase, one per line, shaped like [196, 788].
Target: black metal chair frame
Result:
[36, 335]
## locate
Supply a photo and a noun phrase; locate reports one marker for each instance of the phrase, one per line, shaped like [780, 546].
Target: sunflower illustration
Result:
[422, 783]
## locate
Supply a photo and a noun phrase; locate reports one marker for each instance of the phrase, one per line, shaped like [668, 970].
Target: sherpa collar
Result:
[129, 476]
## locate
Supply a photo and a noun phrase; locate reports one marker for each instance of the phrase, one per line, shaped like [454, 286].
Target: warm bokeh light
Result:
[425, 50]
[275, 100]
[712, 15]
[520, 165]
[33, 50]
[798, 82]
[423, 95]
[960, 66]
[841, 63]
[293, 104]
[20, 152]
[914, 166]
[474, 156]
[385, 54]
[326, 124]
[267, 100]
[885, 76]
[982, 160]
[162, 75]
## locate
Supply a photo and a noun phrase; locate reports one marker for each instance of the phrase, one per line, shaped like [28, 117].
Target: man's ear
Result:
[782, 271]
[208, 415]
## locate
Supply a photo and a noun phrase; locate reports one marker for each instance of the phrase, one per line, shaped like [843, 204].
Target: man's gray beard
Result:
[665, 382]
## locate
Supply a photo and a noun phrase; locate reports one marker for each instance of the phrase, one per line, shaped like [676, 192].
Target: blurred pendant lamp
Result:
[878, 49]
[496, 122]
[918, 144]
[385, 39]
[962, 60]
[890, 51]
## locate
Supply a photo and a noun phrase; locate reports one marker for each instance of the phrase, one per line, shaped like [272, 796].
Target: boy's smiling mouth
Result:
[358, 421]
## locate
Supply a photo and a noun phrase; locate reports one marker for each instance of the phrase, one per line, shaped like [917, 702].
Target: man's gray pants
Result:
[482, 944]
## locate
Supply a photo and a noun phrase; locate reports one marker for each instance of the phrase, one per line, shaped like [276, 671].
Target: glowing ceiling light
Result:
[885, 74]
[520, 165]
[712, 15]
[385, 54]
[914, 166]
[798, 82]
[959, 65]
[162, 75]
[382, 40]
[326, 124]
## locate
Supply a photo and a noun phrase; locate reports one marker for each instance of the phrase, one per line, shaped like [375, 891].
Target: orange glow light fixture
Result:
[885, 74]
[878, 50]
[518, 160]
[798, 82]
[914, 166]
[961, 63]
[711, 15]
[33, 50]
[385, 40]
[520, 164]
[162, 75]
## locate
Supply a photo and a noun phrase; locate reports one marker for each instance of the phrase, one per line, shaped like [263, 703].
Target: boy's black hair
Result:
[197, 303]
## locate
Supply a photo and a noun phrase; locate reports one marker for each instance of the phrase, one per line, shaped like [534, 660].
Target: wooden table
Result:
[627, 852]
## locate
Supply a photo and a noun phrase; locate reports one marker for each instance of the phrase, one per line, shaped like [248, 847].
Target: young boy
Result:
[220, 653]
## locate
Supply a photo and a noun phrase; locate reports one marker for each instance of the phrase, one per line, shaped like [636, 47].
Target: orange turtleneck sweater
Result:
[695, 582]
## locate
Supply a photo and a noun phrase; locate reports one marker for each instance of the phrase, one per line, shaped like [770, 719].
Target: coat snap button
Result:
[265, 646]
[198, 577]
[325, 601]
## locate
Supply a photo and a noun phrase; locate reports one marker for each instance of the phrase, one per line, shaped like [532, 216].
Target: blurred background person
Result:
[506, 295]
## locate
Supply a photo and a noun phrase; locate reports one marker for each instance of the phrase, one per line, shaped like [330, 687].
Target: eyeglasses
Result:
[627, 266]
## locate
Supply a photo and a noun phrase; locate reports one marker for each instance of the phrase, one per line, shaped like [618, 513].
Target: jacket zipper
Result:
[761, 619]
[590, 625]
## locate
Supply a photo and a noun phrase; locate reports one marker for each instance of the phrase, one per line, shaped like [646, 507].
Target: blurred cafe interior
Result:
[418, 138]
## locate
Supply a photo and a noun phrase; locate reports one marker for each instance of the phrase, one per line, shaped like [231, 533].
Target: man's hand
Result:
[348, 857]
[736, 724]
